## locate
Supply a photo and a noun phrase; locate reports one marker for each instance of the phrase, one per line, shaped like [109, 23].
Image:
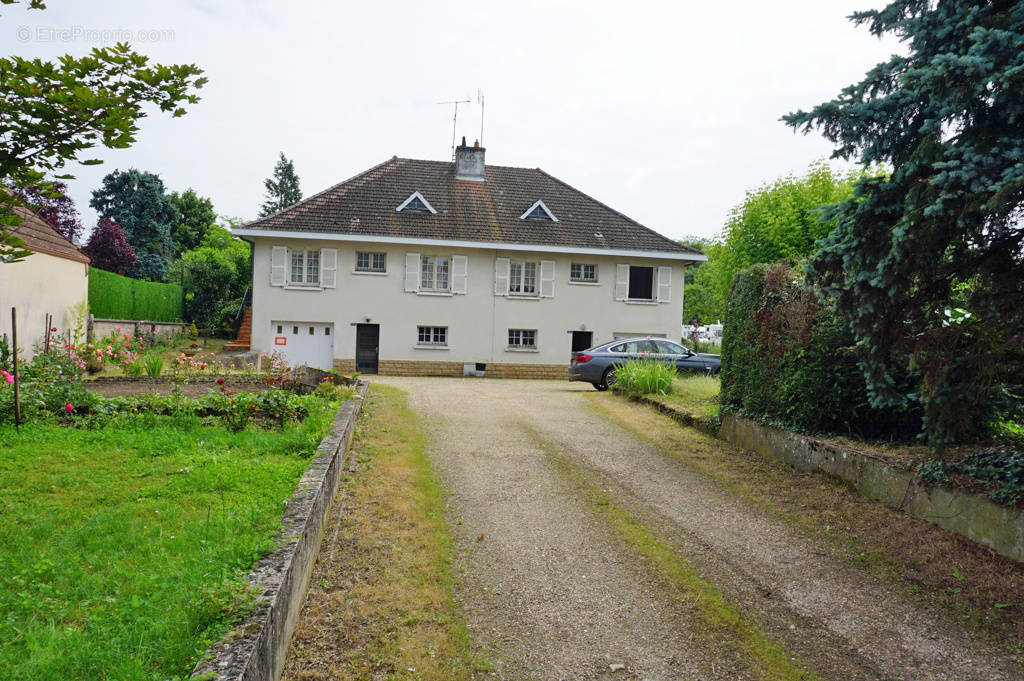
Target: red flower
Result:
[68, 408]
[220, 381]
[54, 329]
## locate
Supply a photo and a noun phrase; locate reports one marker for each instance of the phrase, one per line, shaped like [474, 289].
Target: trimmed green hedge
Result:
[112, 296]
[787, 360]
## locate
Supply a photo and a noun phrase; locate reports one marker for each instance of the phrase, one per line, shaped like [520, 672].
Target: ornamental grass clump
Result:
[154, 366]
[646, 376]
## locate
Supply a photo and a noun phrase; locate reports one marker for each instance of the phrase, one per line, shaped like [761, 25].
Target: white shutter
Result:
[460, 273]
[329, 267]
[547, 278]
[278, 263]
[501, 276]
[621, 282]
[412, 272]
[664, 284]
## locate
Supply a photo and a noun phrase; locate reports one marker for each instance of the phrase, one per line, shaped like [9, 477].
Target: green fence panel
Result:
[112, 296]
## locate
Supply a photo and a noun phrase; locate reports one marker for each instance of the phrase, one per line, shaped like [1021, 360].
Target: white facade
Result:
[39, 285]
[478, 308]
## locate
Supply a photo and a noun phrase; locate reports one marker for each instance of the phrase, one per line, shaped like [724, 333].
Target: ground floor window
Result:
[641, 283]
[432, 335]
[525, 339]
[305, 268]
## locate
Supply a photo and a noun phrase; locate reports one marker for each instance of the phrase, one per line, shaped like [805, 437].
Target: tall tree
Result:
[195, 216]
[927, 265]
[282, 188]
[53, 112]
[136, 201]
[108, 248]
[52, 203]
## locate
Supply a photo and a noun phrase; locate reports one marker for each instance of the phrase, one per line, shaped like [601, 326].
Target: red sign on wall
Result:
[280, 340]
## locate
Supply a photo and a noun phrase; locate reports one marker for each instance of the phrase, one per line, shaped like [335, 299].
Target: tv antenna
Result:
[455, 118]
[480, 101]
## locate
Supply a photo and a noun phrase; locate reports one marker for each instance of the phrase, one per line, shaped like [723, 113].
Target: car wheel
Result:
[608, 379]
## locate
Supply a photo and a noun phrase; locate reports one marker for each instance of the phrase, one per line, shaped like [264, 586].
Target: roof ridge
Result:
[323, 191]
[620, 214]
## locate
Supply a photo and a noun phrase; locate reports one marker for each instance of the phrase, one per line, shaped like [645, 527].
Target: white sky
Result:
[667, 111]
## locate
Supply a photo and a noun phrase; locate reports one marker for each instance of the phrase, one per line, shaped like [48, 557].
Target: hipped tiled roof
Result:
[466, 211]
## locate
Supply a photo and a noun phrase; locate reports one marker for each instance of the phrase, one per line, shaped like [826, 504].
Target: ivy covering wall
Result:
[787, 360]
[112, 296]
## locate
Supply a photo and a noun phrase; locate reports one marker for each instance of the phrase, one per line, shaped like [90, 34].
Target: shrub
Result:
[999, 471]
[787, 360]
[331, 391]
[154, 366]
[645, 376]
[134, 369]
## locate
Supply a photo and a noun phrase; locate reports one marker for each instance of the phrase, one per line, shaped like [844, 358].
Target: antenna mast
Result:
[455, 118]
[480, 101]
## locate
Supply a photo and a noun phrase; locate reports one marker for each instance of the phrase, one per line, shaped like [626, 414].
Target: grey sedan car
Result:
[597, 365]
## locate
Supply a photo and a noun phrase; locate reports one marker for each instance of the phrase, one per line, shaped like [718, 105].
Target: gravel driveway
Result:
[550, 589]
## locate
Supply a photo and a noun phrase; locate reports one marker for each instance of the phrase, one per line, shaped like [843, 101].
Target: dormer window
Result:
[416, 204]
[538, 211]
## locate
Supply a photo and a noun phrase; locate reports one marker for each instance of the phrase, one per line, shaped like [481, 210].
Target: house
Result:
[52, 280]
[438, 268]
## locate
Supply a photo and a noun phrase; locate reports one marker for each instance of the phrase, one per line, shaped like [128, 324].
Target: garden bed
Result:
[129, 529]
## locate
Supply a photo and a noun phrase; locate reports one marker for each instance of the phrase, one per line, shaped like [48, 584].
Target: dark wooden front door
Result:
[367, 347]
[582, 340]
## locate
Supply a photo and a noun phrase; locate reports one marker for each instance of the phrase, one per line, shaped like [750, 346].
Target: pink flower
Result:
[7, 377]
[68, 408]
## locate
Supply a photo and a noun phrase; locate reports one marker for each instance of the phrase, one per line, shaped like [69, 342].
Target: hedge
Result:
[787, 360]
[112, 296]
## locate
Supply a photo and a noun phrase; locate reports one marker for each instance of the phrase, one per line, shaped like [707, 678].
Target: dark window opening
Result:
[279, 328]
[311, 331]
[641, 283]
[538, 213]
[295, 330]
[416, 206]
[327, 331]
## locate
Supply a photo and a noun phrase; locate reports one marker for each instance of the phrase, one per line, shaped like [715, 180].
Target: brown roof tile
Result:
[40, 237]
[466, 211]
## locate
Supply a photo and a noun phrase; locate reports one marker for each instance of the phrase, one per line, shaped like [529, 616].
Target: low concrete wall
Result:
[255, 650]
[100, 328]
[970, 515]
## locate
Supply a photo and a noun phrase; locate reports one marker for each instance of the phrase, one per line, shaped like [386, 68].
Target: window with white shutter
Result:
[412, 272]
[621, 282]
[547, 278]
[329, 267]
[664, 284]
[501, 276]
[460, 274]
[278, 265]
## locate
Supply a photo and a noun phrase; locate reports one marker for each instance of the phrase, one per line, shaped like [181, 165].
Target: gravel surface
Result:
[551, 592]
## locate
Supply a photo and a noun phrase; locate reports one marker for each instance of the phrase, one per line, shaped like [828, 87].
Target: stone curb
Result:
[683, 417]
[968, 514]
[255, 650]
[164, 380]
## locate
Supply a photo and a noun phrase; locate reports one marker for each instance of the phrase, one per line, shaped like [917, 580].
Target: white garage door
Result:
[307, 343]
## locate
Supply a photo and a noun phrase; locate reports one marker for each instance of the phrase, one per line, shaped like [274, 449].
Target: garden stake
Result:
[14, 343]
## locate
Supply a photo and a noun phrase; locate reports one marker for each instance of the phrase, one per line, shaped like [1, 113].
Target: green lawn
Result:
[697, 395]
[124, 550]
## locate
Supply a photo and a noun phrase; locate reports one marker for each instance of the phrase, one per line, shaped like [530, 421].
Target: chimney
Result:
[469, 162]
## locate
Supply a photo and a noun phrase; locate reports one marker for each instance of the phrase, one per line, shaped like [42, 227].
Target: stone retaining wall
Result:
[101, 328]
[255, 650]
[970, 515]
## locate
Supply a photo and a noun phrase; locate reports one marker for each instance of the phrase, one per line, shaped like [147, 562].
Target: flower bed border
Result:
[164, 380]
[255, 650]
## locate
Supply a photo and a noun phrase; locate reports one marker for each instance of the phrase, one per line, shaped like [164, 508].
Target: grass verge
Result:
[970, 582]
[124, 551]
[381, 602]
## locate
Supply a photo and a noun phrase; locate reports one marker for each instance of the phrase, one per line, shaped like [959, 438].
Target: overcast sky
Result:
[668, 112]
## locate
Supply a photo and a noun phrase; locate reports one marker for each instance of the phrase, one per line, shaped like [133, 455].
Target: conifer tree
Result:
[282, 188]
